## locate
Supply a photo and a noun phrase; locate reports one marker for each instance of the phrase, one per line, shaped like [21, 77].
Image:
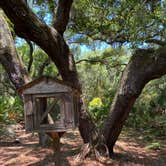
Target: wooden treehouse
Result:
[50, 105]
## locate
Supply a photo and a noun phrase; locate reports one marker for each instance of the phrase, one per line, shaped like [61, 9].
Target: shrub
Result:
[97, 110]
[10, 109]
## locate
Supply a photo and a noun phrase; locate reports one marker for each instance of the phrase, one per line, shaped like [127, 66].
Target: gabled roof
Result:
[45, 79]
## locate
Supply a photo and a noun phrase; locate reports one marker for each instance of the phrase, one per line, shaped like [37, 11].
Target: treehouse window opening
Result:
[50, 110]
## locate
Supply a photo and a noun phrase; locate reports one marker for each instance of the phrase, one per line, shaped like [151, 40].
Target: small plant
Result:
[154, 146]
[97, 110]
[10, 109]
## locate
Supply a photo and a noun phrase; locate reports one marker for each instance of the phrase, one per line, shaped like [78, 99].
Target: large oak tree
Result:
[145, 64]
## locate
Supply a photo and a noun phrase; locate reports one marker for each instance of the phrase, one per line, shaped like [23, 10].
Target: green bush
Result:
[10, 109]
[154, 146]
[97, 110]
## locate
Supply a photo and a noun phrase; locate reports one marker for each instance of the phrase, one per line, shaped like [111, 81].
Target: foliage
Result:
[119, 21]
[44, 9]
[96, 103]
[116, 22]
[39, 58]
[99, 72]
[154, 146]
[100, 80]
[150, 104]
[97, 110]
[148, 117]
[10, 109]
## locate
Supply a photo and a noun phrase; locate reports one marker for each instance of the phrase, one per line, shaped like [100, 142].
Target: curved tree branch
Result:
[91, 61]
[9, 58]
[31, 54]
[26, 24]
[43, 66]
[62, 15]
[155, 41]
[101, 61]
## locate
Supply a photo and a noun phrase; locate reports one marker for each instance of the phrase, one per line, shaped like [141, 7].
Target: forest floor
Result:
[129, 151]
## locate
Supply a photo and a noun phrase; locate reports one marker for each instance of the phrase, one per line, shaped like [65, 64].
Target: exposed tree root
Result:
[85, 150]
[100, 152]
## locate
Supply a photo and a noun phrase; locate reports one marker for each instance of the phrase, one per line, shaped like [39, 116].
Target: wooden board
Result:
[28, 106]
[47, 87]
[76, 110]
[28, 113]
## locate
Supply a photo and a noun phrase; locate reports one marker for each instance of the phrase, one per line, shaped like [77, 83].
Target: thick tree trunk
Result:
[144, 66]
[9, 58]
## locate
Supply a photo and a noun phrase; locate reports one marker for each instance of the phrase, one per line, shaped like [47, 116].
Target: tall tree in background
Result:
[145, 64]
[9, 58]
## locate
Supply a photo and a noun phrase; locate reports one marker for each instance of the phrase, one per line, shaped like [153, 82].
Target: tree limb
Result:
[62, 15]
[91, 61]
[101, 61]
[26, 24]
[155, 41]
[31, 54]
[43, 66]
[119, 38]
[9, 58]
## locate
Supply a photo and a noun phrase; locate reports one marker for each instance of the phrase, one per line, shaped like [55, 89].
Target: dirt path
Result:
[27, 153]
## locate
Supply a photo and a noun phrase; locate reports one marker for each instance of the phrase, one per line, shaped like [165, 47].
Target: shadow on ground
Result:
[28, 153]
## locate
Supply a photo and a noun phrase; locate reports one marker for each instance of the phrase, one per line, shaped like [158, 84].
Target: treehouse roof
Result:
[45, 85]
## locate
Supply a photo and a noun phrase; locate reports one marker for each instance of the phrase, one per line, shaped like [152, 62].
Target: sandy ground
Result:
[27, 152]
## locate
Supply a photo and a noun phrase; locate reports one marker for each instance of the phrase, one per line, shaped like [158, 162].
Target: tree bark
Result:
[9, 58]
[62, 16]
[144, 66]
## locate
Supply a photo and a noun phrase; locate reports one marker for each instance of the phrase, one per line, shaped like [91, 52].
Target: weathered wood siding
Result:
[28, 113]
[47, 87]
[76, 110]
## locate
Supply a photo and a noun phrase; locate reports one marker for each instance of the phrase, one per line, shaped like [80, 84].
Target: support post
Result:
[56, 148]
